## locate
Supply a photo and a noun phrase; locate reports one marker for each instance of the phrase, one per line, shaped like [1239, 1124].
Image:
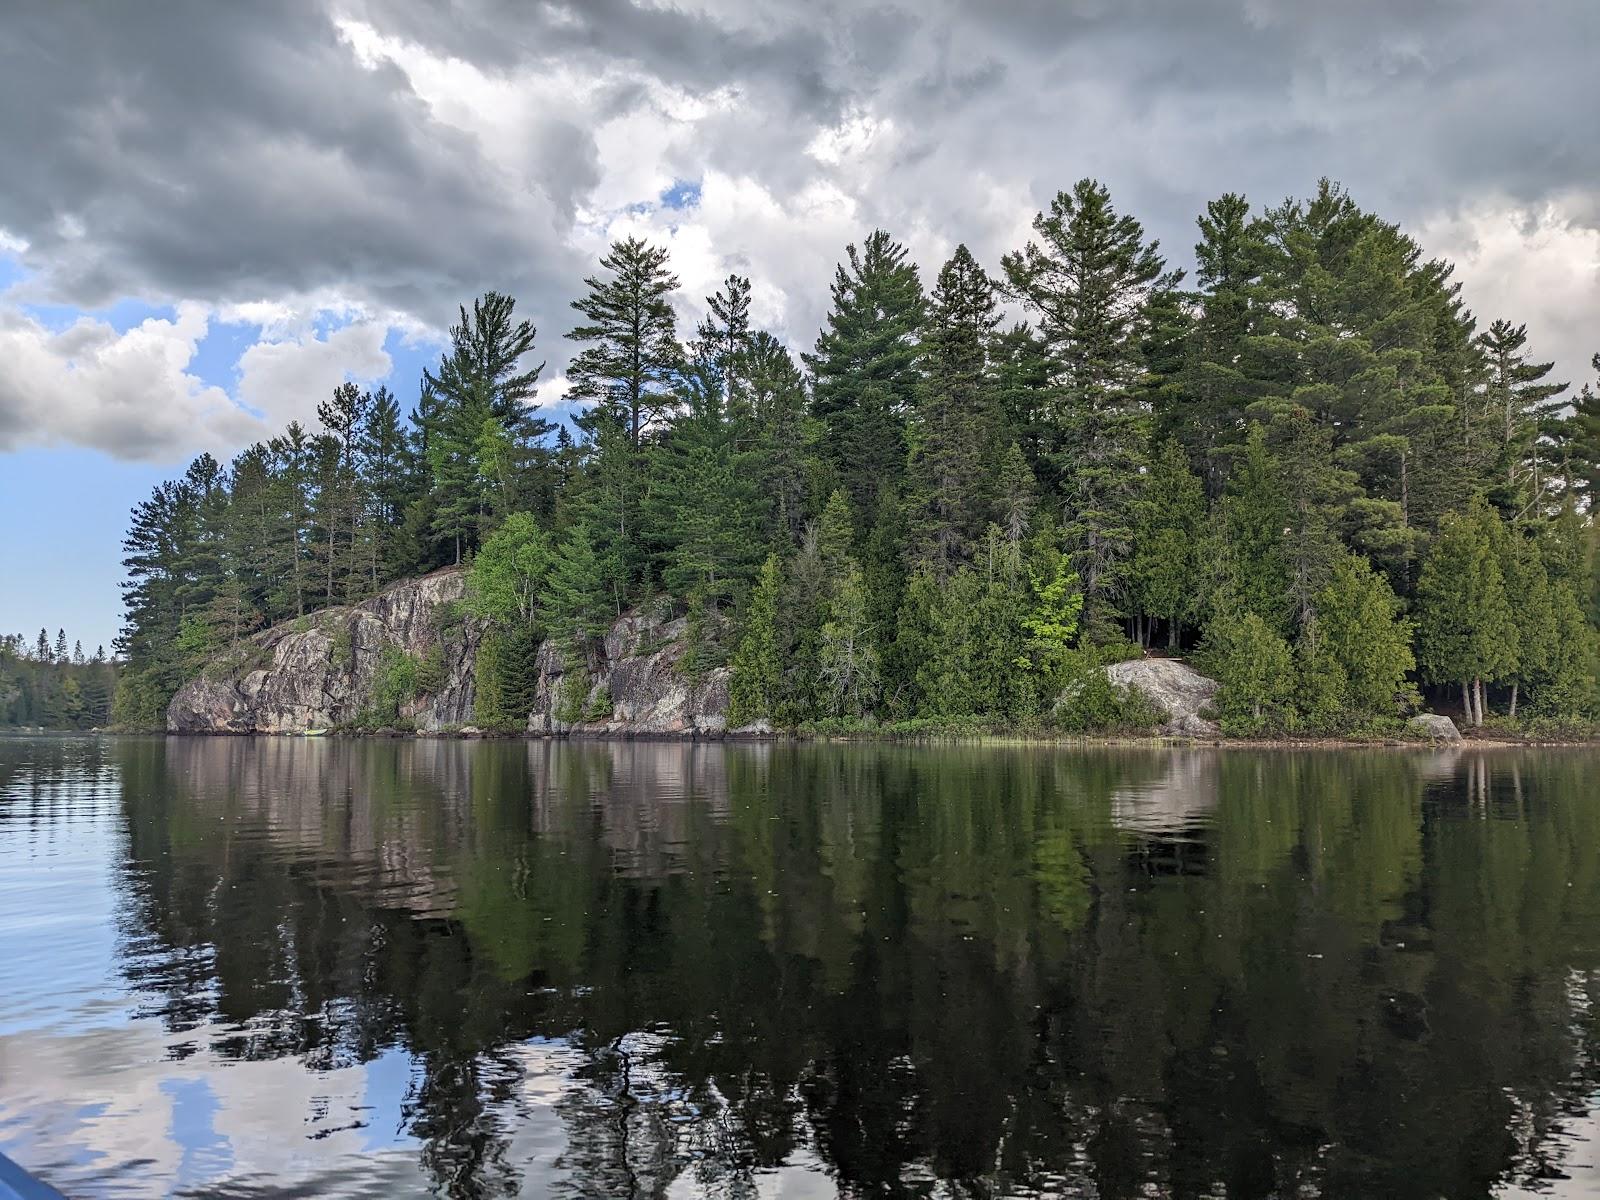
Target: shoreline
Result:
[930, 738]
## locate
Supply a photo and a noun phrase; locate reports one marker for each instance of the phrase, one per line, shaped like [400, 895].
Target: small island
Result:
[1307, 477]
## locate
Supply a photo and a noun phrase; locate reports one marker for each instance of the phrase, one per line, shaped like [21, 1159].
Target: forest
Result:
[1308, 468]
[45, 685]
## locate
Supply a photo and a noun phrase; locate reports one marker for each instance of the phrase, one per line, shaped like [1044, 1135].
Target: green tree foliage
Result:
[1359, 627]
[757, 679]
[631, 354]
[849, 658]
[43, 684]
[1169, 533]
[1466, 630]
[957, 440]
[1315, 454]
[508, 574]
[1090, 278]
[864, 370]
[1256, 671]
[1521, 404]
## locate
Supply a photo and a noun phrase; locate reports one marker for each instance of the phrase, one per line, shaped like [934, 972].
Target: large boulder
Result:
[1177, 689]
[633, 683]
[1434, 727]
[320, 671]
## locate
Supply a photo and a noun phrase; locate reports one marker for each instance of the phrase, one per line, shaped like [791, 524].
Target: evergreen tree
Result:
[1220, 374]
[1090, 278]
[1465, 624]
[705, 507]
[1521, 404]
[849, 658]
[772, 391]
[1255, 670]
[1169, 529]
[1358, 619]
[864, 371]
[958, 437]
[628, 367]
[757, 677]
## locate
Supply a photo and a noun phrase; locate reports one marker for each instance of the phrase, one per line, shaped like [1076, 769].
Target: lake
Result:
[252, 967]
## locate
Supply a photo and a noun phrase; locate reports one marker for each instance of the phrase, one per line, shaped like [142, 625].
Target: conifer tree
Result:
[849, 657]
[958, 437]
[1358, 616]
[772, 391]
[1090, 278]
[1168, 535]
[865, 373]
[1465, 624]
[1520, 403]
[757, 677]
[632, 354]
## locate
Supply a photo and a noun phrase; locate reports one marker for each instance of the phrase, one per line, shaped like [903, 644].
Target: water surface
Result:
[251, 967]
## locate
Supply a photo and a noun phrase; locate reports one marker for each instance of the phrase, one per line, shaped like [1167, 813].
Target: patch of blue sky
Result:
[684, 193]
[216, 357]
[122, 316]
[72, 533]
[11, 270]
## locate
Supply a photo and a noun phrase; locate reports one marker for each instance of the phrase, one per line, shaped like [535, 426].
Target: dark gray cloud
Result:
[401, 155]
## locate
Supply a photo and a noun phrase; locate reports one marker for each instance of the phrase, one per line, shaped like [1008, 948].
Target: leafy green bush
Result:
[430, 671]
[571, 695]
[394, 684]
[599, 708]
[342, 650]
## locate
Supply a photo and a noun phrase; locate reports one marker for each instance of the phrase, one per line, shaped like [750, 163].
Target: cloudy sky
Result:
[212, 214]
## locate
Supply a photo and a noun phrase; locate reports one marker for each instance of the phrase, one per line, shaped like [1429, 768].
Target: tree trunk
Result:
[1477, 685]
[1514, 687]
[1466, 702]
[1174, 635]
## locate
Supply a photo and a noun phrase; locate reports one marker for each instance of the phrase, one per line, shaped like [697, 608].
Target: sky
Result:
[213, 214]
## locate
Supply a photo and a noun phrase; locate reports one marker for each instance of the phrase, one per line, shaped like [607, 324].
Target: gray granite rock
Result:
[1434, 727]
[1178, 690]
[319, 671]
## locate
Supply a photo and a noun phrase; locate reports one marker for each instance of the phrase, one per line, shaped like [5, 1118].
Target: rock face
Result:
[1435, 728]
[1175, 688]
[634, 684]
[320, 671]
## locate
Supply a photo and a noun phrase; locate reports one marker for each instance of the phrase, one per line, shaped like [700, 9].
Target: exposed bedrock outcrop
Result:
[320, 671]
[1178, 690]
[323, 671]
[634, 682]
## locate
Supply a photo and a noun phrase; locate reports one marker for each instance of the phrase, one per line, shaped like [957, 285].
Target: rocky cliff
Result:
[333, 669]
[322, 671]
[633, 684]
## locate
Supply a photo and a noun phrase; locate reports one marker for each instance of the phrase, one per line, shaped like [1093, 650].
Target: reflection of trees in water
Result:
[1377, 976]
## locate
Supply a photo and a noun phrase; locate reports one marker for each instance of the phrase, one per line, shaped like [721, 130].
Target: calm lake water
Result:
[326, 968]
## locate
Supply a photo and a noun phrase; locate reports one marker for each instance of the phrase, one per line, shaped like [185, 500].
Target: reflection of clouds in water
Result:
[1579, 1144]
[107, 1112]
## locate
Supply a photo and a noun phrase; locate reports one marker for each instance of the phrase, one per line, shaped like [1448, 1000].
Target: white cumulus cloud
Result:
[129, 394]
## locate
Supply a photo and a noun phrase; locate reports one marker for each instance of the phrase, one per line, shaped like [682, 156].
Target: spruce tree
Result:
[958, 436]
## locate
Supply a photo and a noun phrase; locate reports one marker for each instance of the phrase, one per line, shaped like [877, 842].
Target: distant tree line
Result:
[1307, 466]
[43, 683]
